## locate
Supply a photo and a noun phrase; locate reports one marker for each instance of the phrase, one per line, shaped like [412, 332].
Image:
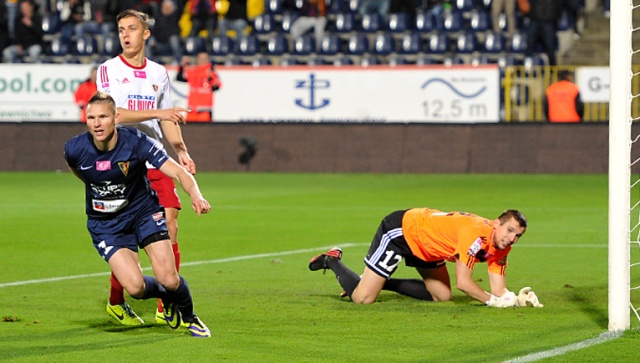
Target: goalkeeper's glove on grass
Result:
[508, 299]
[526, 297]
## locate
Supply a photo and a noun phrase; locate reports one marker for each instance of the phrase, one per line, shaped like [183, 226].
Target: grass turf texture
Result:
[272, 308]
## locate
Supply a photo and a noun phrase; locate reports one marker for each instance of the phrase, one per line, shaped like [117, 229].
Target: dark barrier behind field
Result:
[379, 148]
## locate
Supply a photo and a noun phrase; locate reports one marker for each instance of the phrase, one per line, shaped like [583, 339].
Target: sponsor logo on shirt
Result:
[103, 165]
[140, 74]
[125, 80]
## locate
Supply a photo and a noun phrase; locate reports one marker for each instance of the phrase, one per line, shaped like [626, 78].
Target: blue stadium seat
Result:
[287, 19]
[438, 43]
[479, 59]
[384, 44]
[277, 45]
[370, 60]
[194, 45]
[344, 23]
[343, 61]
[480, 21]
[111, 45]
[494, 42]
[398, 22]
[86, 46]
[357, 44]
[452, 21]
[264, 24]
[221, 46]
[288, 61]
[455, 60]
[51, 24]
[354, 5]
[464, 5]
[518, 43]
[411, 44]
[304, 46]
[274, 7]
[466, 43]
[371, 23]
[427, 23]
[246, 46]
[260, 61]
[330, 45]
[59, 47]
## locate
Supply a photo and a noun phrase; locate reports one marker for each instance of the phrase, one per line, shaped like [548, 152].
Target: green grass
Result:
[272, 308]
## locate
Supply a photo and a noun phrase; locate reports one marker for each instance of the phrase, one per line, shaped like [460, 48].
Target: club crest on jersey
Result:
[155, 88]
[140, 74]
[103, 165]
[475, 247]
[124, 167]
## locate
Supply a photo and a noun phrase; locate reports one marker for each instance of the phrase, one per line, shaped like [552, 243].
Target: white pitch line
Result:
[194, 263]
[602, 338]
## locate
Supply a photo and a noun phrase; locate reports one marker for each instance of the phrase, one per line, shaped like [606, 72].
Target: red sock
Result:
[176, 255]
[116, 293]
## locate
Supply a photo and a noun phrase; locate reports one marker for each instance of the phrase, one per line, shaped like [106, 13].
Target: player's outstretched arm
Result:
[173, 134]
[176, 115]
[465, 283]
[172, 169]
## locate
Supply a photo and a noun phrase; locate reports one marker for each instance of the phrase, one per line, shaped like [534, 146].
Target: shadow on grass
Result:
[588, 299]
[51, 343]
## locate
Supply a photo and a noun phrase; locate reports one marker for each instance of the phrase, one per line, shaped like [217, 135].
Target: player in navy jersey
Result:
[123, 211]
[142, 92]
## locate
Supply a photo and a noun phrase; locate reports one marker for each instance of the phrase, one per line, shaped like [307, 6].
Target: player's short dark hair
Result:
[515, 214]
[143, 17]
[103, 97]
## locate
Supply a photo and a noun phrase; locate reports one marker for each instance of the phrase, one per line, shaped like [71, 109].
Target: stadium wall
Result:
[376, 148]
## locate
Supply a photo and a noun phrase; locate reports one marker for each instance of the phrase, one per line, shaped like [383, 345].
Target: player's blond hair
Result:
[143, 17]
[103, 97]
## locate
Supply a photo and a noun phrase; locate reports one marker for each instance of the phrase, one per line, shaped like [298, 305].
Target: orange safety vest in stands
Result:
[561, 97]
[201, 78]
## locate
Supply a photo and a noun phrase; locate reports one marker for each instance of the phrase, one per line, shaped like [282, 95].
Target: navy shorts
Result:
[389, 248]
[130, 231]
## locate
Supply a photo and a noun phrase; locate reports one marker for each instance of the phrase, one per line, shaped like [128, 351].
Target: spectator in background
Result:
[84, 92]
[166, 32]
[509, 9]
[380, 7]
[543, 23]
[311, 15]
[4, 26]
[606, 4]
[410, 7]
[103, 19]
[204, 16]
[12, 14]
[203, 82]
[72, 14]
[235, 18]
[28, 44]
[562, 102]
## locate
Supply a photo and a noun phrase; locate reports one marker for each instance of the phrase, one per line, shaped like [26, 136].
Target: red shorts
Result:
[165, 188]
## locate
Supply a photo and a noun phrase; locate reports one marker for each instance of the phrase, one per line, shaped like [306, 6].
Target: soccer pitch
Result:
[246, 263]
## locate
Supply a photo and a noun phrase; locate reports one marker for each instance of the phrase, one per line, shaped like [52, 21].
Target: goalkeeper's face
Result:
[507, 233]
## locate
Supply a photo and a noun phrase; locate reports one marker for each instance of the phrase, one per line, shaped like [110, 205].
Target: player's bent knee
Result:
[170, 281]
[136, 291]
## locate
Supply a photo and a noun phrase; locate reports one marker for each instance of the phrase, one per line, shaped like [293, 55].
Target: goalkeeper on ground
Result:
[426, 238]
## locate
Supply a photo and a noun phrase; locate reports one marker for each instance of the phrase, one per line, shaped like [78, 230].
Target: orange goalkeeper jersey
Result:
[434, 235]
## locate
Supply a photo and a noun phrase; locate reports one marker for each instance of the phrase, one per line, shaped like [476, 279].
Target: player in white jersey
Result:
[141, 90]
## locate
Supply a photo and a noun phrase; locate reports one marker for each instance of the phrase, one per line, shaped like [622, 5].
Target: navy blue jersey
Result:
[115, 180]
